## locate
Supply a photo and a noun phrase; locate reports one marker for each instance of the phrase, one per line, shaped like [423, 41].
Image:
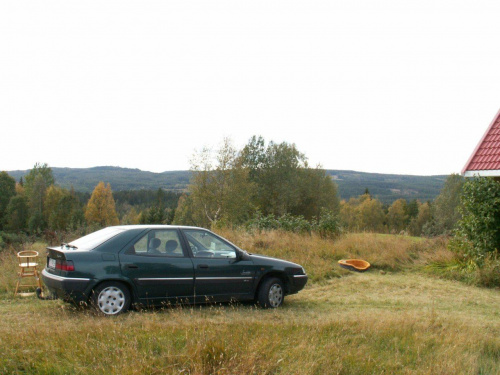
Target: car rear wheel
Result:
[271, 293]
[111, 298]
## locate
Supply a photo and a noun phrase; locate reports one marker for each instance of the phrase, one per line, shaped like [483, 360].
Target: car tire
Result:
[111, 298]
[271, 293]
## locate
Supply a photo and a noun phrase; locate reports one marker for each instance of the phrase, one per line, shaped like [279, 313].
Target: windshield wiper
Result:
[69, 246]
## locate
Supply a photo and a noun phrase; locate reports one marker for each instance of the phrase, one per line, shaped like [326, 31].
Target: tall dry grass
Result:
[319, 256]
[370, 323]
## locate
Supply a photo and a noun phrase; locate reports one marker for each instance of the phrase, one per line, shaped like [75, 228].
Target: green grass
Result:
[398, 321]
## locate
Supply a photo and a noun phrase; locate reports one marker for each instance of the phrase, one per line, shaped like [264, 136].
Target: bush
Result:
[467, 271]
[15, 239]
[287, 222]
[328, 225]
[260, 222]
[489, 273]
[297, 224]
[478, 233]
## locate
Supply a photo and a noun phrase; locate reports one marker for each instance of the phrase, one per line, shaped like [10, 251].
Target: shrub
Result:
[489, 273]
[15, 239]
[286, 222]
[297, 224]
[478, 233]
[328, 225]
[261, 222]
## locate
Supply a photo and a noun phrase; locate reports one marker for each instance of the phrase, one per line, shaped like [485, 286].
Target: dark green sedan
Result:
[160, 264]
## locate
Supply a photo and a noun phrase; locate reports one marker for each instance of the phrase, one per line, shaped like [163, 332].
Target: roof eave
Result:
[483, 173]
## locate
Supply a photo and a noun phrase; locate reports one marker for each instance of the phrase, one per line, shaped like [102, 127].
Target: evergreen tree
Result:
[37, 182]
[17, 213]
[412, 209]
[7, 191]
[101, 207]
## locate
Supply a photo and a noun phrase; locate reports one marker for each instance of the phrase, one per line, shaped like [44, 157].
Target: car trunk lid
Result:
[57, 262]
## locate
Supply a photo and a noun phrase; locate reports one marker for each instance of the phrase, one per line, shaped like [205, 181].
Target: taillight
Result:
[65, 265]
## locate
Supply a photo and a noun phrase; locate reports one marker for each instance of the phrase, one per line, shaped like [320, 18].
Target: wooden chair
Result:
[28, 268]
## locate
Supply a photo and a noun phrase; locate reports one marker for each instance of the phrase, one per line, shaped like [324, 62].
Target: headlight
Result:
[296, 271]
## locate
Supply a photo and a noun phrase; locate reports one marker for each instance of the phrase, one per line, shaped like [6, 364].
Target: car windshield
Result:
[92, 240]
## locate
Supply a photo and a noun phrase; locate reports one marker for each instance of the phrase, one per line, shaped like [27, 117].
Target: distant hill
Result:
[386, 187]
[85, 179]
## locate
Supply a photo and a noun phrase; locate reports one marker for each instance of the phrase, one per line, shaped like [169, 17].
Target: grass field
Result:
[390, 320]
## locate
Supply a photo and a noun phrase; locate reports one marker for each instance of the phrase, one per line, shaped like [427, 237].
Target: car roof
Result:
[159, 226]
[155, 226]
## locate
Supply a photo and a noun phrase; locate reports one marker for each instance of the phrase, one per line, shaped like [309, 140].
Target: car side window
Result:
[206, 245]
[158, 243]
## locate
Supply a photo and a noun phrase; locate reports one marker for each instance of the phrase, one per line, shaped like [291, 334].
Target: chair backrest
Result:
[27, 258]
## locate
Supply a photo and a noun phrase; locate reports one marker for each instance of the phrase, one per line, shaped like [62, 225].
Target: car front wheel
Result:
[271, 293]
[111, 298]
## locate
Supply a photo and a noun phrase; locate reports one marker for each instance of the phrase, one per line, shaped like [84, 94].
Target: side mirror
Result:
[241, 255]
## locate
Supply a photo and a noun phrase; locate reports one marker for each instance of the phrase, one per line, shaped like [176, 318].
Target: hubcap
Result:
[275, 295]
[111, 300]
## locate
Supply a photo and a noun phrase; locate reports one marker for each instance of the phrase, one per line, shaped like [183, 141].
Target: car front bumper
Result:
[297, 283]
[67, 288]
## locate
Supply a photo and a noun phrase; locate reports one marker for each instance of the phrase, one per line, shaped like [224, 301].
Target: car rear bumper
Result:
[67, 288]
[297, 283]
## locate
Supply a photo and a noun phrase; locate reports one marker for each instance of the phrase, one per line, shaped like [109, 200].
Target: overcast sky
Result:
[376, 86]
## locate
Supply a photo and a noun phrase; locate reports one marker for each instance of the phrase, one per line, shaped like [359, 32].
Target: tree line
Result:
[366, 213]
[263, 185]
[36, 206]
[272, 186]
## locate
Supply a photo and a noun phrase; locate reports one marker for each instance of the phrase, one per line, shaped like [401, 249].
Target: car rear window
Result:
[92, 240]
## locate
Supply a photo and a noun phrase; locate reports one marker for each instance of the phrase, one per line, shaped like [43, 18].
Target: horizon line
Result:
[187, 170]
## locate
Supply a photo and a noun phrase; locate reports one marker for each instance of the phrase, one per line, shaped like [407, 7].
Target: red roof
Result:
[486, 156]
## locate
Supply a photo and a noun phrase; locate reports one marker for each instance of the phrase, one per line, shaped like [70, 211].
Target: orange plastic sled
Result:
[358, 265]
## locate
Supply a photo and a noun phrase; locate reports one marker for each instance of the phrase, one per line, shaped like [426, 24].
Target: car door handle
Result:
[132, 266]
[202, 265]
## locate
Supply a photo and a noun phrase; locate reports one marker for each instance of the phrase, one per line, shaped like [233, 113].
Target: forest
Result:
[263, 185]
